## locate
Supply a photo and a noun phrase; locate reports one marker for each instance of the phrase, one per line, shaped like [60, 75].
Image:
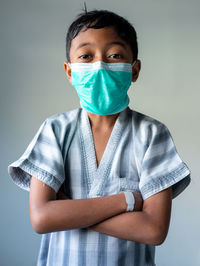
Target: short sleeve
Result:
[162, 166]
[42, 159]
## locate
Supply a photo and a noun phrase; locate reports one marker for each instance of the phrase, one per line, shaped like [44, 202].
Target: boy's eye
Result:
[84, 56]
[116, 56]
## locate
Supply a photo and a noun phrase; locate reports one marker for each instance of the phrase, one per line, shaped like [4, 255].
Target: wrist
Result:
[123, 203]
[138, 201]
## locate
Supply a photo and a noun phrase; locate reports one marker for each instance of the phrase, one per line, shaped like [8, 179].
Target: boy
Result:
[101, 177]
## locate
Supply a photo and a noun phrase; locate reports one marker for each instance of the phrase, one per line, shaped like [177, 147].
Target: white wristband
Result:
[130, 200]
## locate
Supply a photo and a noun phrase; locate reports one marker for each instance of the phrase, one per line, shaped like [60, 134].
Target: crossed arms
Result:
[148, 223]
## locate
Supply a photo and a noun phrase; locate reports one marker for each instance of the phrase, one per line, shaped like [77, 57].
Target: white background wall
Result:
[34, 86]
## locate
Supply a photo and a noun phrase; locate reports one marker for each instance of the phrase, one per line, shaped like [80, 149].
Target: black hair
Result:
[97, 19]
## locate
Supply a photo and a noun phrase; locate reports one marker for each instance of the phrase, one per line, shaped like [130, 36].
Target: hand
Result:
[138, 201]
[61, 194]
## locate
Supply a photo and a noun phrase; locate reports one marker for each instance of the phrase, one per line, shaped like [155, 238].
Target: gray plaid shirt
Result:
[140, 155]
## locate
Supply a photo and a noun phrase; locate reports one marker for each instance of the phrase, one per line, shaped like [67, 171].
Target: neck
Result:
[99, 122]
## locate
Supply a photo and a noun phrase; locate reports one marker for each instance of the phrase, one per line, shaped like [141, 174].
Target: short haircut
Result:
[97, 19]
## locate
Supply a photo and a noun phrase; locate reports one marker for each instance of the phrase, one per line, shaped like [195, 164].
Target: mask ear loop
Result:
[134, 63]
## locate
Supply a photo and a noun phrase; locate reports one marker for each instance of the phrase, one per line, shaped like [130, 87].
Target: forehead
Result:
[98, 37]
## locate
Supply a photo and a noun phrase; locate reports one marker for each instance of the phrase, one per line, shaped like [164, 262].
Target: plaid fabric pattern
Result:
[140, 155]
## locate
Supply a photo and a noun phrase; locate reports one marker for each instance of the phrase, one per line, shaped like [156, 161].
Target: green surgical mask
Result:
[102, 87]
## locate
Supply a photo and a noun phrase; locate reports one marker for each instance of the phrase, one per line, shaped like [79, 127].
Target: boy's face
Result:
[100, 45]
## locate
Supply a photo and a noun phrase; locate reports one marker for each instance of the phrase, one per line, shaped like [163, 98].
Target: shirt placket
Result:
[97, 177]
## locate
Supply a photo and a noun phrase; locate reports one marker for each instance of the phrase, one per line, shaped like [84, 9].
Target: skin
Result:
[100, 46]
[50, 212]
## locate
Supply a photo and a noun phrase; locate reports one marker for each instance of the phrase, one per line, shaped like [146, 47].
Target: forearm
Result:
[58, 215]
[150, 225]
[134, 226]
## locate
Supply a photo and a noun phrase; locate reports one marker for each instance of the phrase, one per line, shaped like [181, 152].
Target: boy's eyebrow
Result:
[83, 44]
[109, 44]
[118, 43]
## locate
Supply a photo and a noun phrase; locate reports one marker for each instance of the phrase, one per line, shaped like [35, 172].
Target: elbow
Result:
[158, 240]
[38, 221]
[158, 236]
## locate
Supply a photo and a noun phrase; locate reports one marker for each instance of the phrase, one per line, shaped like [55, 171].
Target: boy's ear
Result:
[136, 70]
[67, 70]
